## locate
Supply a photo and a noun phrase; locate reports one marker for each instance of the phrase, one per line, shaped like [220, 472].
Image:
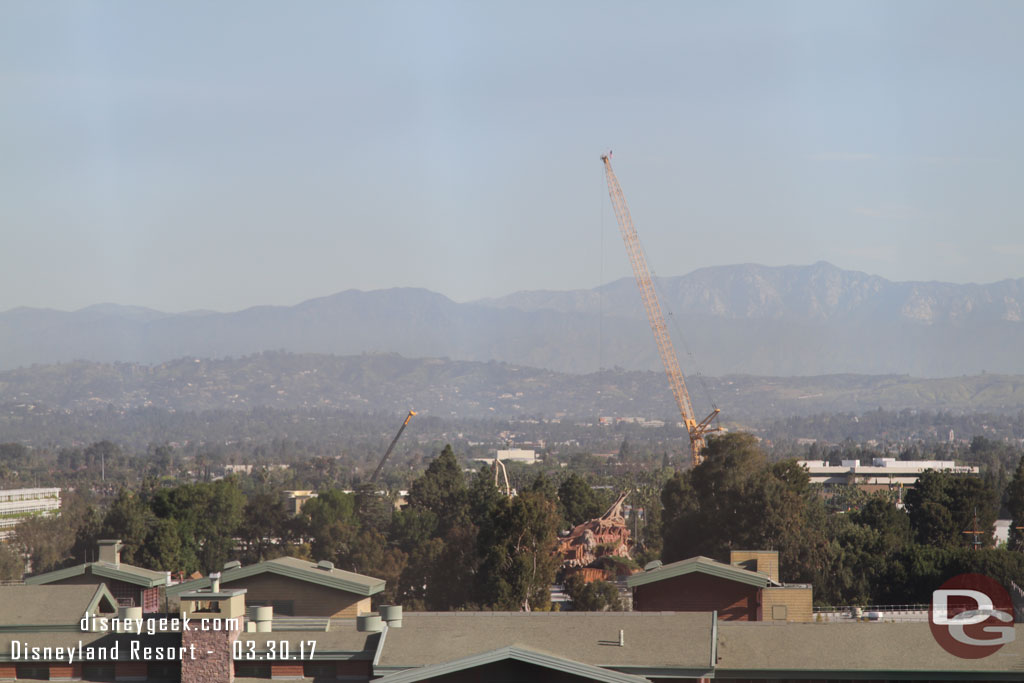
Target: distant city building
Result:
[294, 500]
[880, 474]
[16, 505]
[513, 455]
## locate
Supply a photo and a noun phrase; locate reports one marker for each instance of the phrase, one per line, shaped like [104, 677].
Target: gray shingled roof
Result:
[518, 654]
[867, 649]
[293, 568]
[342, 642]
[701, 565]
[95, 640]
[680, 641]
[28, 607]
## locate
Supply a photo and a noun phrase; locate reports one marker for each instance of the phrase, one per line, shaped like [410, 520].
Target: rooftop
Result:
[294, 568]
[867, 648]
[675, 640]
[702, 565]
[119, 571]
[26, 606]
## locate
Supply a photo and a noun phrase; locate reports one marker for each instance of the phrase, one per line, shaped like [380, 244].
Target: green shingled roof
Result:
[147, 578]
[701, 565]
[293, 568]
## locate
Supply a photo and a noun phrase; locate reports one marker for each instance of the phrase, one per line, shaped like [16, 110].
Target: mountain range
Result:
[740, 319]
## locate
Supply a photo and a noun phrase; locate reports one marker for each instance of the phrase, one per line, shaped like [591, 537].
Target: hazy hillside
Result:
[794, 320]
[390, 383]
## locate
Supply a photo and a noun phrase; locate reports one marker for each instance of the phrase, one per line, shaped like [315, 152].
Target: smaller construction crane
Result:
[380, 465]
[499, 465]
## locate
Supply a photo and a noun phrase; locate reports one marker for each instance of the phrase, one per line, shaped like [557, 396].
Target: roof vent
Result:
[325, 565]
[654, 564]
[233, 564]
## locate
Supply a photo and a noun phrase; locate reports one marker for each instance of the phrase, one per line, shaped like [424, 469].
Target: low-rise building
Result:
[295, 587]
[522, 455]
[881, 474]
[17, 505]
[42, 638]
[294, 500]
[746, 589]
[131, 586]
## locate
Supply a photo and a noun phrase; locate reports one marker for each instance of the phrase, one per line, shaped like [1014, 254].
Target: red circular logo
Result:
[971, 616]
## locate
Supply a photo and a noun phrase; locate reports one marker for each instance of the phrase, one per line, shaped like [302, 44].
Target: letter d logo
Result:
[971, 616]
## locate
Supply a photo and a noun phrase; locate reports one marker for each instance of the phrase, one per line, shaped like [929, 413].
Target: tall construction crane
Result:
[695, 429]
[401, 429]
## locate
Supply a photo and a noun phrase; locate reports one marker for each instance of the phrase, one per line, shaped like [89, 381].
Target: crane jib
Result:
[666, 350]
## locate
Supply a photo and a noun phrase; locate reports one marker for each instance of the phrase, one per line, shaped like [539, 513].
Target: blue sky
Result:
[186, 155]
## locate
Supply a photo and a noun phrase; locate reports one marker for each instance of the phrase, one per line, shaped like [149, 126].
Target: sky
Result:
[194, 155]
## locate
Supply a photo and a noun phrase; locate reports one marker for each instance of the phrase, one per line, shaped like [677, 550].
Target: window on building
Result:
[164, 671]
[92, 671]
[320, 671]
[252, 669]
[32, 672]
[209, 606]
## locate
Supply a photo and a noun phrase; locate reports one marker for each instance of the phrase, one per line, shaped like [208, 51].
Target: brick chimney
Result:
[110, 551]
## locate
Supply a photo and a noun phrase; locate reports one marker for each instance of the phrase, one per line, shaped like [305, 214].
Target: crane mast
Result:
[666, 350]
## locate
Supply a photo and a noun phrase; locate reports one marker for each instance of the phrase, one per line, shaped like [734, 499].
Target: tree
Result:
[735, 499]
[163, 548]
[441, 490]
[578, 500]
[517, 546]
[370, 555]
[12, 564]
[373, 509]
[130, 520]
[46, 541]
[332, 524]
[1015, 506]
[263, 521]
[942, 506]
[625, 452]
[596, 596]
[14, 455]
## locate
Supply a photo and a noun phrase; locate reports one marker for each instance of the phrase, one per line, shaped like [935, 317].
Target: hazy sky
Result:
[187, 155]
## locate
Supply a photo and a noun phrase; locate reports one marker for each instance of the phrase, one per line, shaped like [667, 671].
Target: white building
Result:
[528, 457]
[882, 472]
[19, 504]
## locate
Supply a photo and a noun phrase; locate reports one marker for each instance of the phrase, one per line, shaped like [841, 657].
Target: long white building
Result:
[882, 472]
[19, 504]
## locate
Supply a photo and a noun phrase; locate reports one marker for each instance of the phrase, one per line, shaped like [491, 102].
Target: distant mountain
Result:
[808, 294]
[749, 319]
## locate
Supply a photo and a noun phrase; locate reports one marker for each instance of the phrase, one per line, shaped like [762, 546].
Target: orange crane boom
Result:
[666, 350]
[401, 429]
